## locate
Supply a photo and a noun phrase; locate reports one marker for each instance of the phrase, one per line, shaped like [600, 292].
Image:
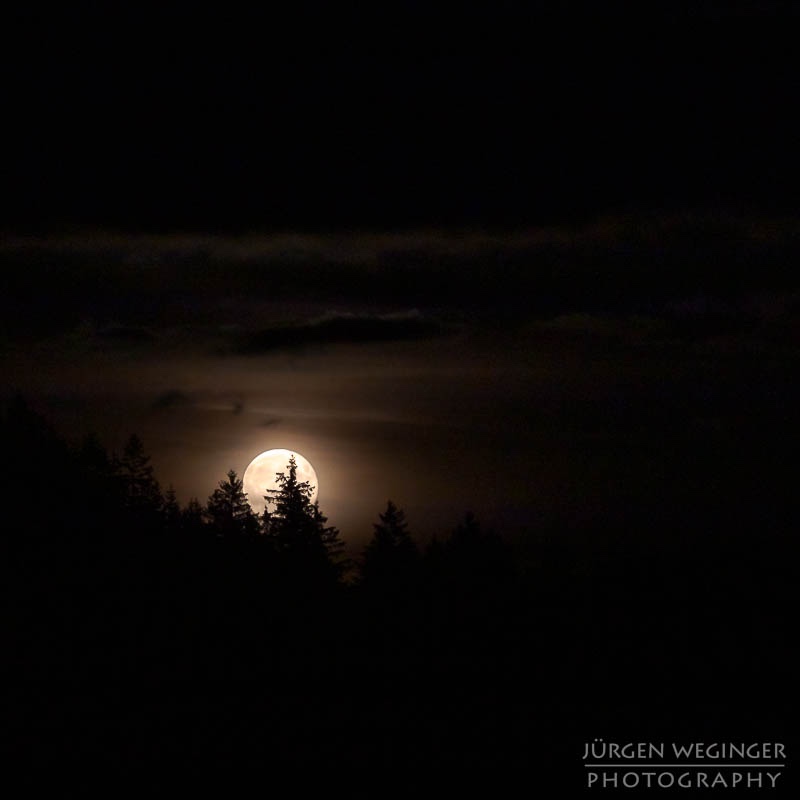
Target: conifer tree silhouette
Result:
[296, 526]
[192, 517]
[229, 512]
[141, 491]
[171, 510]
[391, 555]
[334, 546]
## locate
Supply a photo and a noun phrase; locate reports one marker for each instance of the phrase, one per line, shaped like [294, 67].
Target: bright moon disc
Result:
[260, 475]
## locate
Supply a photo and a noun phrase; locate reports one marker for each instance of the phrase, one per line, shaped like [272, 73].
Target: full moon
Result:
[259, 477]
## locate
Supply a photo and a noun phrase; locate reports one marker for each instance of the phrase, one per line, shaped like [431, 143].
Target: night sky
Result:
[510, 115]
[522, 262]
[532, 261]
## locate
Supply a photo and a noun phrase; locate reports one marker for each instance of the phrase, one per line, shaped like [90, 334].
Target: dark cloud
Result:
[208, 401]
[337, 328]
[613, 263]
[172, 399]
[124, 335]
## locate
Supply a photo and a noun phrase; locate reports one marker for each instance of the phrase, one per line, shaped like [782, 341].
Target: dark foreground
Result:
[142, 654]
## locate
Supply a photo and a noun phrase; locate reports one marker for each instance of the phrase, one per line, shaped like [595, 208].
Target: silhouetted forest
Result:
[141, 634]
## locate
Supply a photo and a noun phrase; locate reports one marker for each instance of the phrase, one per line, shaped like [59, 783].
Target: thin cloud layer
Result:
[609, 263]
[336, 328]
